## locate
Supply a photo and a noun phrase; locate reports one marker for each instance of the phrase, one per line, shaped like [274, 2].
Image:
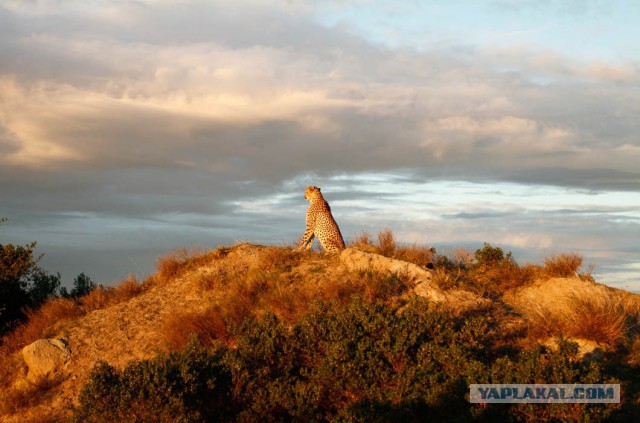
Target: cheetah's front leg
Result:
[307, 239]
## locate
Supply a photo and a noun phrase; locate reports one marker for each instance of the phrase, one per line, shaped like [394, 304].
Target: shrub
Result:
[359, 361]
[489, 256]
[82, 285]
[542, 365]
[190, 385]
[493, 272]
[17, 268]
[365, 361]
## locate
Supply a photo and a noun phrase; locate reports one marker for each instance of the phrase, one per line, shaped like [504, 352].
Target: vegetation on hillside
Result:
[24, 286]
[294, 339]
[359, 361]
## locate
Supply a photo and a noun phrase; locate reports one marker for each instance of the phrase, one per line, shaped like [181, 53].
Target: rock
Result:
[45, 357]
[456, 299]
[359, 260]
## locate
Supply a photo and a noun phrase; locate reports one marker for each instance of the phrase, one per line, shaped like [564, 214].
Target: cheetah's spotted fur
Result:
[320, 223]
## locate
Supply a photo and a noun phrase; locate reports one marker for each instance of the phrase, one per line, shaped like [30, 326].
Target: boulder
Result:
[355, 259]
[45, 357]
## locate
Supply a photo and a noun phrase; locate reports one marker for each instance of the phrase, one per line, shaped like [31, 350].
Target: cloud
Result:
[194, 114]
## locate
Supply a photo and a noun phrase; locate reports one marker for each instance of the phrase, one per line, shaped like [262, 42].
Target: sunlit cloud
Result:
[193, 114]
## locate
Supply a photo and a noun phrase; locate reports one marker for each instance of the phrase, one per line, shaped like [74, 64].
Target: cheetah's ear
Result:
[318, 188]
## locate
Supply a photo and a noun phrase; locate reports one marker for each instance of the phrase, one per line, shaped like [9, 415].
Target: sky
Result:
[131, 128]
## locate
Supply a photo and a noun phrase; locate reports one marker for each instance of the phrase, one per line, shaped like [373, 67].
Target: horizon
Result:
[129, 129]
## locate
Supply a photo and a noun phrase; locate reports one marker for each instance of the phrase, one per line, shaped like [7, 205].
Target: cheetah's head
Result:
[312, 192]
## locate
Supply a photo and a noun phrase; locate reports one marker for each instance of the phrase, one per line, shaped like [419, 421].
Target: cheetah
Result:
[320, 223]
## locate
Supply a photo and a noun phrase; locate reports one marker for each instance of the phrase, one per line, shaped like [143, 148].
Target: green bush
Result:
[361, 361]
[491, 256]
[188, 386]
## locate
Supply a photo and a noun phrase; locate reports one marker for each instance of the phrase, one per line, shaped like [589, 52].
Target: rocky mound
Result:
[233, 279]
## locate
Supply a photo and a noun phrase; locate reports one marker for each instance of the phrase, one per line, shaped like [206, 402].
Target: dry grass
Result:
[41, 323]
[386, 243]
[207, 327]
[128, 288]
[287, 300]
[12, 366]
[563, 265]
[102, 297]
[362, 240]
[27, 394]
[388, 247]
[339, 290]
[498, 278]
[582, 312]
[279, 280]
[603, 319]
[420, 255]
[180, 261]
[447, 279]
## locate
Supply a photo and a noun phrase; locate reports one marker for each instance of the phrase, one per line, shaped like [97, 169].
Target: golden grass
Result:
[26, 394]
[387, 246]
[12, 366]
[593, 313]
[288, 301]
[339, 290]
[603, 319]
[102, 297]
[41, 323]
[447, 279]
[498, 278]
[252, 280]
[420, 255]
[563, 265]
[180, 261]
[386, 243]
[363, 239]
[206, 326]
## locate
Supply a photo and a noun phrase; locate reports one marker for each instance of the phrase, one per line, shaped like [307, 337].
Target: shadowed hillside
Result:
[380, 332]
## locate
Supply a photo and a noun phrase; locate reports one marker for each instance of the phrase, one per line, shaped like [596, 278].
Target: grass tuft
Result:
[386, 243]
[27, 394]
[563, 265]
[206, 326]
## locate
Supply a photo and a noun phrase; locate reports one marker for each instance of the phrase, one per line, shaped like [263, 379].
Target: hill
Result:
[476, 317]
